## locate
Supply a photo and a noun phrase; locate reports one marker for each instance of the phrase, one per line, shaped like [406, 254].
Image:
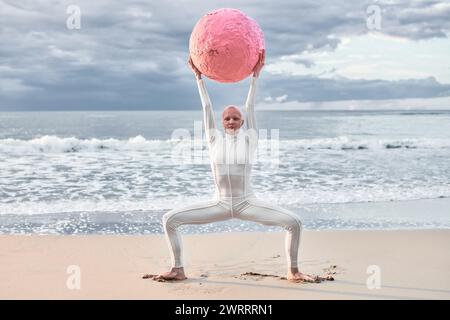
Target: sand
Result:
[404, 264]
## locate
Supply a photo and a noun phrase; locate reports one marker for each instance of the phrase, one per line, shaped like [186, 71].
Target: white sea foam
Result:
[286, 198]
[52, 174]
[54, 144]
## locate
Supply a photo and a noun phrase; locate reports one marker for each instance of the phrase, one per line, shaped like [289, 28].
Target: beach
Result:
[137, 135]
[365, 264]
[82, 195]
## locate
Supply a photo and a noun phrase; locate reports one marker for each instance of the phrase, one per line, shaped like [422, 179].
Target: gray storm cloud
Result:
[132, 54]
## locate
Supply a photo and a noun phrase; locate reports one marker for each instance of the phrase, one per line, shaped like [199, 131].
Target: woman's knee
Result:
[169, 221]
[295, 223]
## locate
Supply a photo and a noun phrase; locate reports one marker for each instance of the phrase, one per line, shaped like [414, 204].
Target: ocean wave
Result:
[55, 144]
[161, 202]
[160, 205]
[421, 113]
[347, 143]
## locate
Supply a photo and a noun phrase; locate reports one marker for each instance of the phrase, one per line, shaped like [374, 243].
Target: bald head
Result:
[233, 108]
[232, 119]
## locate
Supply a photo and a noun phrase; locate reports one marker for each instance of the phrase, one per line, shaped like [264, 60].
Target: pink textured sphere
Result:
[225, 45]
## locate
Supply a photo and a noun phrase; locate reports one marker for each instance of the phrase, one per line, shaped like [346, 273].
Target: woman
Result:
[231, 158]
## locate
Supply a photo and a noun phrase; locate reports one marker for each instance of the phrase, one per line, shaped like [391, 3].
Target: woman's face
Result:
[231, 120]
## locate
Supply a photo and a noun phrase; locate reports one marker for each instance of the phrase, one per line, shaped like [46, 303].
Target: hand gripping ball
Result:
[225, 45]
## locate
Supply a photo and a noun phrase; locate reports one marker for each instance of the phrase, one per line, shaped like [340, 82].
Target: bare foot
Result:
[175, 274]
[302, 277]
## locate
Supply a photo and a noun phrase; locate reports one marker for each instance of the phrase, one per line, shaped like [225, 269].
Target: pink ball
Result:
[225, 45]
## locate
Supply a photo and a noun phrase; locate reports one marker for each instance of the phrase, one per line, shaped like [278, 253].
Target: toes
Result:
[296, 280]
[163, 277]
[306, 278]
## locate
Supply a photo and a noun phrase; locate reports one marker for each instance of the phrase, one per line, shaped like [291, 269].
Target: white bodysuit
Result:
[231, 164]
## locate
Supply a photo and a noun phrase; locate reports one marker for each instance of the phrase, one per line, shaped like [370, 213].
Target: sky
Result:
[131, 55]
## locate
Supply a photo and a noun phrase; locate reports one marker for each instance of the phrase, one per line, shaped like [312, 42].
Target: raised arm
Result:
[208, 114]
[250, 103]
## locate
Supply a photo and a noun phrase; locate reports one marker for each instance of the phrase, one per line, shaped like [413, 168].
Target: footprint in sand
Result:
[327, 276]
[333, 269]
[153, 277]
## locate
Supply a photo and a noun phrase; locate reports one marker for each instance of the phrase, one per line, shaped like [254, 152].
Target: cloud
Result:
[13, 86]
[416, 19]
[281, 98]
[307, 88]
[382, 104]
[132, 54]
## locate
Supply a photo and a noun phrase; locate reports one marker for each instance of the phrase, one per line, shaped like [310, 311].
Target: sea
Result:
[118, 172]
